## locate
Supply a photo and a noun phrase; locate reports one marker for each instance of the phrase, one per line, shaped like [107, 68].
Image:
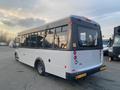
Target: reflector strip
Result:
[75, 56]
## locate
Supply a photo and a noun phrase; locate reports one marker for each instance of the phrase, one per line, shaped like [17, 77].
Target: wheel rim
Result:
[40, 68]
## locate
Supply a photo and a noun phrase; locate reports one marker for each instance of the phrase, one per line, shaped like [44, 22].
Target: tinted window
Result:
[49, 38]
[23, 41]
[87, 37]
[61, 38]
[32, 40]
[116, 40]
[40, 39]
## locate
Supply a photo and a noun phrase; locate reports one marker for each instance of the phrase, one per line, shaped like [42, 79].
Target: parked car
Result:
[3, 44]
[105, 47]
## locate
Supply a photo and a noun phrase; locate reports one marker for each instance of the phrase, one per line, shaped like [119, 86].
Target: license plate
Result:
[81, 75]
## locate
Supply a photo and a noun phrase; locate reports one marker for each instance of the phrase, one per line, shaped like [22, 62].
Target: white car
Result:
[3, 44]
[105, 47]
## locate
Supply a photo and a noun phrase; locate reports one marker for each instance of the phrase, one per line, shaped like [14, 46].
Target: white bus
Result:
[70, 48]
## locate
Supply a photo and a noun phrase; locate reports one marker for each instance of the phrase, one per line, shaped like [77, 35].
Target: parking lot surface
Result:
[17, 76]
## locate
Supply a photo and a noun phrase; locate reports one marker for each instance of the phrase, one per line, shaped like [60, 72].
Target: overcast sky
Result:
[16, 15]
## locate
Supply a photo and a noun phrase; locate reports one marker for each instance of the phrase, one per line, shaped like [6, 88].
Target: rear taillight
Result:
[75, 56]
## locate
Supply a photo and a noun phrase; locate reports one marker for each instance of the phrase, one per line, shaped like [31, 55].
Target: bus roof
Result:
[58, 23]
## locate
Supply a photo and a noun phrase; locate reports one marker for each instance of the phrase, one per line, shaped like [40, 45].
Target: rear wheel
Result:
[40, 68]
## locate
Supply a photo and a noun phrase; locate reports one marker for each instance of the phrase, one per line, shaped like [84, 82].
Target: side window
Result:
[27, 40]
[65, 28]
[35, 40]
[61, 38]
[49, 38]
[40, 39]
[32, 41]
[23, 41]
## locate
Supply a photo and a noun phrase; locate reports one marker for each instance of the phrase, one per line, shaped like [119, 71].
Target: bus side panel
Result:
[59, 60]
[21, 54]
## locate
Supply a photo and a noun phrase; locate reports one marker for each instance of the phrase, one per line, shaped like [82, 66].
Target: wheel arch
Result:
[38, 60]
[15, 53]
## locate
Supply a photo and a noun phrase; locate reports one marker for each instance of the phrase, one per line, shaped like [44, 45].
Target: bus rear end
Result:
[114, 49]
[87, 54]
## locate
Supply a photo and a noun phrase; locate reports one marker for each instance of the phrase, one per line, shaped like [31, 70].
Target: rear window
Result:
[87, 37]
[117, 40]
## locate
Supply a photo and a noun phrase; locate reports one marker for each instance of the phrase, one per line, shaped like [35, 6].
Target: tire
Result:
[110, 58]
[40, 68]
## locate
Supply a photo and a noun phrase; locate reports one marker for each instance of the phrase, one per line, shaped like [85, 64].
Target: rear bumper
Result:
[79, 75]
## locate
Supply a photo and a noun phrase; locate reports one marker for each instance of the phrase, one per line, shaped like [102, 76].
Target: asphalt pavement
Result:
[17, 76]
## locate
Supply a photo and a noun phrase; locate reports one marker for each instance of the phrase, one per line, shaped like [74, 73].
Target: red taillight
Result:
[74, 52]
[75, 56]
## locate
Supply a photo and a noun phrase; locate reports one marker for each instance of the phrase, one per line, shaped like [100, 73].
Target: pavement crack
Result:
[20, 71]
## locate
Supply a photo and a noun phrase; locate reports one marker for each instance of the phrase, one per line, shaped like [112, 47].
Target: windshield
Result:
[117, 41]
[105, 43]
[87, 37]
